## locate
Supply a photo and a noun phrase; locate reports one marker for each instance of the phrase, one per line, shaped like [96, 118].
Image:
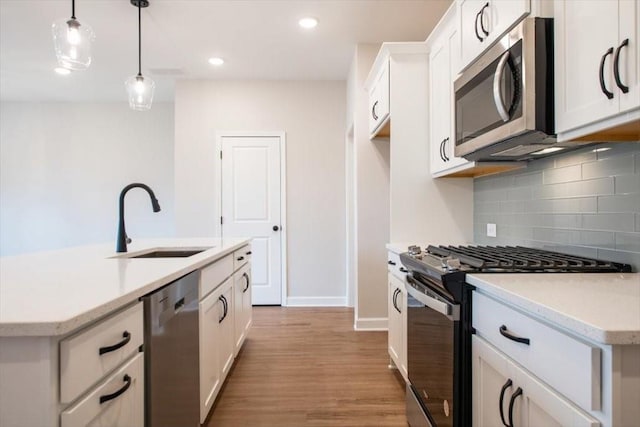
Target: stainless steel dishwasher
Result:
[171, 354]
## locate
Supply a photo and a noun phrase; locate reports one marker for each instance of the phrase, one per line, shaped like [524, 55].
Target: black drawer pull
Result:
[505, 333]
[248, 253]
[391, 262]
[126, 338]
[108, 397]
[515, 395]
[240, 258]
[616, 67]
[403, 270]
[500, 402]
[603, 86]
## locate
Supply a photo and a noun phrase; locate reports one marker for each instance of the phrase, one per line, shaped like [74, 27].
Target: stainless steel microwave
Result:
[504, 100]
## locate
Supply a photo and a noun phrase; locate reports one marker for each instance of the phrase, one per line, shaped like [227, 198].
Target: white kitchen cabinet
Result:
[444, 59]
[379, 109]
[590, 47]
[242, 306]
[116, 401]
[506, 394]
[226, 335]
[482, 22]
[397, 314]
[211, 309]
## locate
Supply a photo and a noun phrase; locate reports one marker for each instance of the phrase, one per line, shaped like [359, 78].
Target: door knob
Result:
[276, 228]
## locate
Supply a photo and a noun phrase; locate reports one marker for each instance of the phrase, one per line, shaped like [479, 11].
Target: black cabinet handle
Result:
[603, 87]
[126, 337]
[500, 402]
[511, 402]
[240, 258]
[391, 262]
[486, 33]
[505, 333]
[373, 111]
[108, 397]
[475, 27]
[246, 277]
[444, 149]
[403, 270]
[395, 301]
[248, 253]
[616, 67]
[224, 308]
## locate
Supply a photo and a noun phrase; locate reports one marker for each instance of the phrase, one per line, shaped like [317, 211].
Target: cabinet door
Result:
[502, 15]
[472, 38]
[379, 100]
[440, 104]
[394, 313]
[499, 383]
[211, 311]
[584, 33]
[493, 384]
[226, 344]
[242, 306]
[630, 54]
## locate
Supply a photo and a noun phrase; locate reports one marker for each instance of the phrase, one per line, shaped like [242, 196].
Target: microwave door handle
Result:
[497, 93]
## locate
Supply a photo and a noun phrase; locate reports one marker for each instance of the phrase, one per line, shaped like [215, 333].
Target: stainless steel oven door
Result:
[495, 97]
[430, 352]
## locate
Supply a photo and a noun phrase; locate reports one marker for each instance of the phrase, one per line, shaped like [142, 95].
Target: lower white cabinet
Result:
[506, 394]
[116, 401]
[397, 320]
[210, 374]
[242, 306]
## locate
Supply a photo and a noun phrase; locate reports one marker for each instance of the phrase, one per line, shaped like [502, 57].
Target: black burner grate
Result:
[518, 258]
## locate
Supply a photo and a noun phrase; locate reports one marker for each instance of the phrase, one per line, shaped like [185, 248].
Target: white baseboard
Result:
[371, 324]
[316, 301]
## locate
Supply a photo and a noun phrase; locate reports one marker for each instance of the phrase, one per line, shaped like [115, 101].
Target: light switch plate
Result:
[492, 230]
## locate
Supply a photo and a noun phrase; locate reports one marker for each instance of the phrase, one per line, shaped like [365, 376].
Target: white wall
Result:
[372, 201]
[313, 116]
[62, 167]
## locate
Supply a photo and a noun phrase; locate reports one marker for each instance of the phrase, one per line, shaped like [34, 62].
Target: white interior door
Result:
[251, 200]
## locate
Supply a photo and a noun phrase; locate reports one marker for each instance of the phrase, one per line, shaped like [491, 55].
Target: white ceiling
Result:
[258, 39]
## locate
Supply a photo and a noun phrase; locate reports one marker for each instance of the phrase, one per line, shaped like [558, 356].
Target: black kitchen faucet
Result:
[123, 239]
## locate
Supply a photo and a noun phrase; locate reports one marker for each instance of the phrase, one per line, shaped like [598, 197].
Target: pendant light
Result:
[72, 42]
[139, 88]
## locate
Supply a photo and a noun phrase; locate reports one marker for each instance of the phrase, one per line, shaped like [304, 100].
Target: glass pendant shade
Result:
[140, 92]
[72, 42]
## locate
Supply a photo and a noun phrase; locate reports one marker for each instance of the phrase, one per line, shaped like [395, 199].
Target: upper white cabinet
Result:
[597, 68]
[482, 22]
[379, 102]
[444, 60]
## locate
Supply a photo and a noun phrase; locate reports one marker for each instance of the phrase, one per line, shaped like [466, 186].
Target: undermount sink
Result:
[166, 253]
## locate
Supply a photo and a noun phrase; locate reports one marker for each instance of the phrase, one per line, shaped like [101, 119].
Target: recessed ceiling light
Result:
[600, 150]
[62, 71]
[308, 23]
[216, 61]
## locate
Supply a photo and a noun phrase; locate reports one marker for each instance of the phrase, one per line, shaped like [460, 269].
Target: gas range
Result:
[446, 266]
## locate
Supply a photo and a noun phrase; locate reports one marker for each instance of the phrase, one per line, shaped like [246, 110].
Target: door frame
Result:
[283, 193]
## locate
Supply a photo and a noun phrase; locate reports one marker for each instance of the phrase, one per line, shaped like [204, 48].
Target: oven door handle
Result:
[497, 93]
[439, 306]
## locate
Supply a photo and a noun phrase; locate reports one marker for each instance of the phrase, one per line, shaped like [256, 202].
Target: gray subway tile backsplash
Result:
[583, 202]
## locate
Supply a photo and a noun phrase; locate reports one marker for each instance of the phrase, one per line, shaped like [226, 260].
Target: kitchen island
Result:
[53, 305]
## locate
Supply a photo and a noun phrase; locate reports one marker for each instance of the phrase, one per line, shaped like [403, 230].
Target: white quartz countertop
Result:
[602, 307]
[53, 293]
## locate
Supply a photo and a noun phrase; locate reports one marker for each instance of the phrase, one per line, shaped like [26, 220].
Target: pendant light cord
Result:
[73, 9]
[139, 39]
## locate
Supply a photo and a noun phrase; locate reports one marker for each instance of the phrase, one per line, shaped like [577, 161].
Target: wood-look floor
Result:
[308, 367]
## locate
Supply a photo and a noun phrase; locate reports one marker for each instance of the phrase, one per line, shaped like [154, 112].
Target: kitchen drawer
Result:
[82, 365]
[214, 274]
[121, 410]
[395, 266]
[241, 257]
[567, 364]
